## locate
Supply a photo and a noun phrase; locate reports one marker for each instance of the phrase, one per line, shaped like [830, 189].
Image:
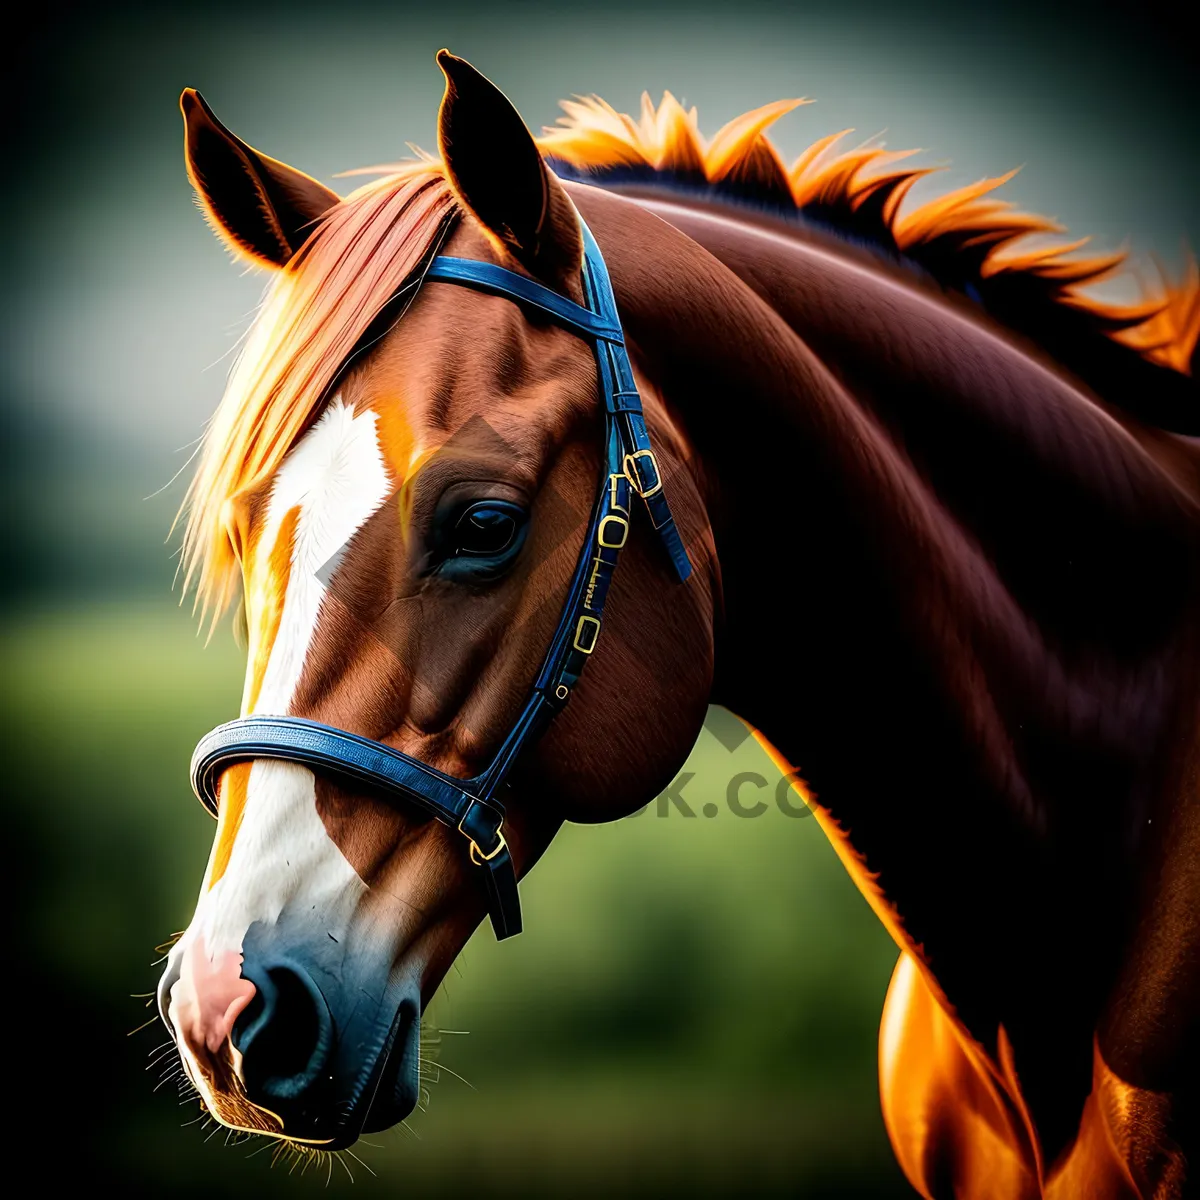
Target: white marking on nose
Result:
[337, 477]
[282, 856]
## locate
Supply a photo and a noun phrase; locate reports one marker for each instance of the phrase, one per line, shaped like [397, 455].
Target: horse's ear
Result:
[498, 174]
[263, 209]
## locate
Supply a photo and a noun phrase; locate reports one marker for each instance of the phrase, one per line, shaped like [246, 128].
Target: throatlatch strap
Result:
[630, 466]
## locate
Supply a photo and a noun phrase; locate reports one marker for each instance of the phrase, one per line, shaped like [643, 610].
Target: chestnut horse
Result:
[944, 518]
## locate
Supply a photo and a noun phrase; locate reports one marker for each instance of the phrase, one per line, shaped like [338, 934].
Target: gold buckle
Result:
[479, 858]
[587, 622]
[622, 525]
[613, 480]
[631, 473]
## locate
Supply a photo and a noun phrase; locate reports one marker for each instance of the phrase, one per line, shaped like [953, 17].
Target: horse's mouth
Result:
[391, 1090]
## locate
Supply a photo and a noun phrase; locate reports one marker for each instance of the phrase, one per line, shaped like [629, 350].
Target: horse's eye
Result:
[488, 529]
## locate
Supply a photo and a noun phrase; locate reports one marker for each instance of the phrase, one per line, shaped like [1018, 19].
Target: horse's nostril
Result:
[285, 1035]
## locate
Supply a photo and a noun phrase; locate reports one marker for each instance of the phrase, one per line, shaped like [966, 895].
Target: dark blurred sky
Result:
[122, 309]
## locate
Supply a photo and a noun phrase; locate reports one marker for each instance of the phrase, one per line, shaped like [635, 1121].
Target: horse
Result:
[940, 513]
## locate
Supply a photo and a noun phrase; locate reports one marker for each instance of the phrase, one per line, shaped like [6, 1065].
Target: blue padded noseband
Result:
[630, 467]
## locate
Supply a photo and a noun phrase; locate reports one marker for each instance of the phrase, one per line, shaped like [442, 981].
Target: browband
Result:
[470, 805]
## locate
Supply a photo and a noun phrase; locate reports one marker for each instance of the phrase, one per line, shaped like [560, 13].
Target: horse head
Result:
[399, 481]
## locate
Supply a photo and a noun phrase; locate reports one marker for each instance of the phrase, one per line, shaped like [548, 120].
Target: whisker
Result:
[167, 946]
[361, 1163]
[443, 1067]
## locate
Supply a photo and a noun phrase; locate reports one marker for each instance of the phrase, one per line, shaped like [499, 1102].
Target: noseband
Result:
[630, 466]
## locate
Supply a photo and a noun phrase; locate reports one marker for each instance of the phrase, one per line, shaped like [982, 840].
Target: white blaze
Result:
[282, 854]
[337, 477]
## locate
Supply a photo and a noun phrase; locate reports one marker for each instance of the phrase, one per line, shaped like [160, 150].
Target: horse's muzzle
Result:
[319, 1066]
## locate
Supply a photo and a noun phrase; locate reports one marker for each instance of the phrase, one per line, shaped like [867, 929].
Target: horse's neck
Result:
[923, 509]
[956, 592]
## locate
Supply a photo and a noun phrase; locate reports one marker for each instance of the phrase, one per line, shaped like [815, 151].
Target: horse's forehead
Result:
[460, 361]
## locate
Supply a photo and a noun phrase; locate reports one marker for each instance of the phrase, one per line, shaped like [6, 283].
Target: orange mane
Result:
[317, 310]
[864, 189]
[322, 303]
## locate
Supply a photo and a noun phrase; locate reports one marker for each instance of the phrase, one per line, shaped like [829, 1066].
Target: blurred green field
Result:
[694, 1005]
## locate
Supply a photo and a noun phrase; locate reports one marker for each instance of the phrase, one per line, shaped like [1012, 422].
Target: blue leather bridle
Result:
[471, 805]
